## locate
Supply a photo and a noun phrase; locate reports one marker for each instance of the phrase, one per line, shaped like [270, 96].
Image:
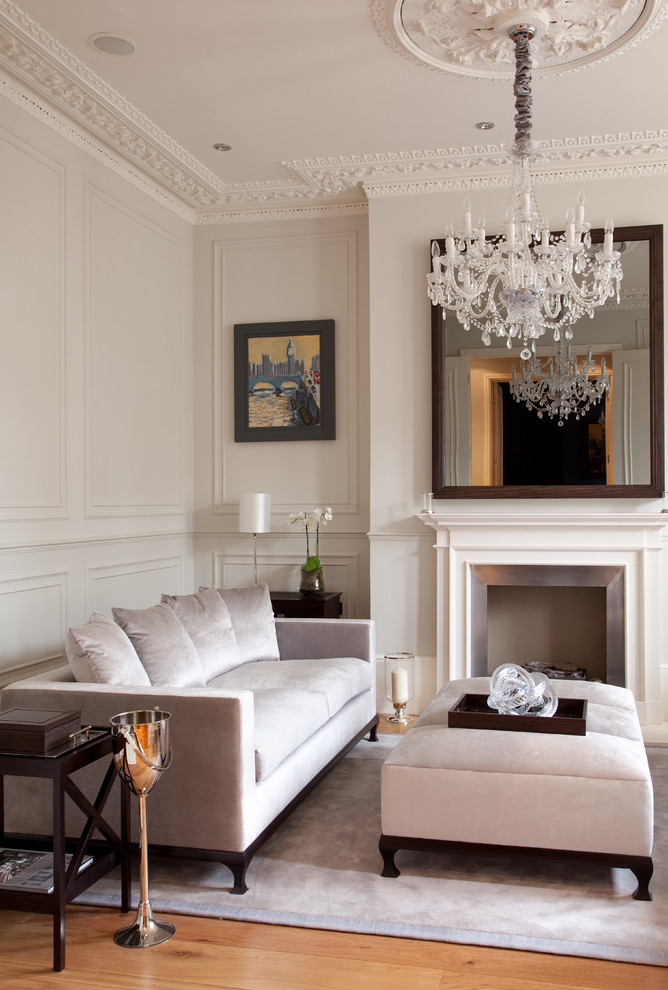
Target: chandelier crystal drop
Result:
[560, 388]
[526, 280]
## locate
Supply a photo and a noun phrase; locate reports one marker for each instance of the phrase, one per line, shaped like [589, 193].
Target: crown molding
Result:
[295, 212]
[572, 160]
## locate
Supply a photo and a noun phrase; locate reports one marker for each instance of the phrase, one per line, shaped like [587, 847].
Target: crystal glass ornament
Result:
[515, 691]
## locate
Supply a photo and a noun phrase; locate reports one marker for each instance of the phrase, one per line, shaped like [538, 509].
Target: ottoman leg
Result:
[387, 851]
[643, 868]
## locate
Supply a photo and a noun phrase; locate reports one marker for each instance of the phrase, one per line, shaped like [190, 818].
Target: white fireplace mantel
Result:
[629, 540]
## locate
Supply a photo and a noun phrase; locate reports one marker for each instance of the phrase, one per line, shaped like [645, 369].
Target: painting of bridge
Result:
[284, 380]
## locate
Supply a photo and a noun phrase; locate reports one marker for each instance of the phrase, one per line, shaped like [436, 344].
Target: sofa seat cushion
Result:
[293, 699]
[338, 679]
[284, 719]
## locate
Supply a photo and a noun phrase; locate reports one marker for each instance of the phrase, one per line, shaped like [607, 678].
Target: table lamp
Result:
[254, 517]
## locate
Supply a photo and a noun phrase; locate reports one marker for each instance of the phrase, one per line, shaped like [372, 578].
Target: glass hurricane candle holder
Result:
[399, 684]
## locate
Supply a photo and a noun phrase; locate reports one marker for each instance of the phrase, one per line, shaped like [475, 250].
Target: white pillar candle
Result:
[399, 686]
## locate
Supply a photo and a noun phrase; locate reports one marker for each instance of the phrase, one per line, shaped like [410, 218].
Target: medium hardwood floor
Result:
[233, 955]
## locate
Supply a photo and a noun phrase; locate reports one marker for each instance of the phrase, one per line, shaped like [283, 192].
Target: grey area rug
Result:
[321, 869]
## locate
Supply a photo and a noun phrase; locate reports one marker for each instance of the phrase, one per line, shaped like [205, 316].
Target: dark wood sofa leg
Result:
[643, 869]
[387, 852]
[238, 868]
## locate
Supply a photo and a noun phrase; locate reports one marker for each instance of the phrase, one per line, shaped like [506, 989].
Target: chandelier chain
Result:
[522, 91]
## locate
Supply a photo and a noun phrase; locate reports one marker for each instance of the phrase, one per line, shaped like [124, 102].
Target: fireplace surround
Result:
[618, 551]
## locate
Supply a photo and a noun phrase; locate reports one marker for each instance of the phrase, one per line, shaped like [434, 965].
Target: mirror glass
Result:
[485, 444]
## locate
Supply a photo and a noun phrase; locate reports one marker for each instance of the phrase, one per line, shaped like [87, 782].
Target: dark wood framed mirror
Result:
[485, 447]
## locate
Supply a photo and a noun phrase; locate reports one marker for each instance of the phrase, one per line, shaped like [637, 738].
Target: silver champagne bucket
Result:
[142, 752]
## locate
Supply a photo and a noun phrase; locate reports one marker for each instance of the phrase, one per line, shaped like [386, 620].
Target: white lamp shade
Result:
[254, 513]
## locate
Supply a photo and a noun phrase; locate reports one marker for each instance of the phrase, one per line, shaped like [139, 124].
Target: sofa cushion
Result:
[101, 653]
[165, 649]
[207, 621]
[293, 699]
[253, 621]
[284, 719]
[338, 680]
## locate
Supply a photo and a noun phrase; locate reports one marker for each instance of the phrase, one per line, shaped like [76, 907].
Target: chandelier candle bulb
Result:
[468, 230]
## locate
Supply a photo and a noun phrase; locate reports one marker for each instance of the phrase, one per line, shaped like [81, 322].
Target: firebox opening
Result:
[568, 613]
[554, 625]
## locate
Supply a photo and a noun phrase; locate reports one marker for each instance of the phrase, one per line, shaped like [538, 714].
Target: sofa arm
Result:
[207, 797]
[319, 639]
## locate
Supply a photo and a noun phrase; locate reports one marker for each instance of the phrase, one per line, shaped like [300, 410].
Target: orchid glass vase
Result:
[311, 582]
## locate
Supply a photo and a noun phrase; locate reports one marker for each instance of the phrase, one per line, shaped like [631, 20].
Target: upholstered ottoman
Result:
[532, 793]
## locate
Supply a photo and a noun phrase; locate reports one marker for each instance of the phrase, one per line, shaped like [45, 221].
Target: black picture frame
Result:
[291, 361]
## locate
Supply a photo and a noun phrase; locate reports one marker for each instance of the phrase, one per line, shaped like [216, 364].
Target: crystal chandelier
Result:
[527, 280]
[560, 388]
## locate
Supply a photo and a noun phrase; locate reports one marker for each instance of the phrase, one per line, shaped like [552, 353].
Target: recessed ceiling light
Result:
[220, 146]
[111, 44]
[485, 125]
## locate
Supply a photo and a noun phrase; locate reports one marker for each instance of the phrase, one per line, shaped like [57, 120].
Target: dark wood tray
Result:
[29, 730]
[471, 711]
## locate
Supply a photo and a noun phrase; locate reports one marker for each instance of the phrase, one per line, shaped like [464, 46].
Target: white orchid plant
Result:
[312, 521]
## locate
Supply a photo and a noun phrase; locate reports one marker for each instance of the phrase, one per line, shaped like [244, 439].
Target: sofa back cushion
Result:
[253, 621]
[207, 621]
[164, 647]
[101, 653]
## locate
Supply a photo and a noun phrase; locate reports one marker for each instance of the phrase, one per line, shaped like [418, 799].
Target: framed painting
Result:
[284, 381]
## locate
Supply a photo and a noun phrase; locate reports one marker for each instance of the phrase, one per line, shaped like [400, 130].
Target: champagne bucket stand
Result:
[141, 753]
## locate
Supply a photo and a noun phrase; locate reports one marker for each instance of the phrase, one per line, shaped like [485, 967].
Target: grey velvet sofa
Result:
[261, 710]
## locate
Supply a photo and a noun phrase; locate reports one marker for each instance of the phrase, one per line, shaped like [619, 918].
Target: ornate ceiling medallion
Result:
[469, 37]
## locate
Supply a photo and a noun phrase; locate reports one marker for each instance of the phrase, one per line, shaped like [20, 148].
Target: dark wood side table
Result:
[293, 605]
[58, 765]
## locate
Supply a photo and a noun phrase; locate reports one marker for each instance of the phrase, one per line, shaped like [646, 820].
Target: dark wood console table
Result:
[293, 605]
[58, 765]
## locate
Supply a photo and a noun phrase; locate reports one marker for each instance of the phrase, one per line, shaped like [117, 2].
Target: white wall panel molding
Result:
[33, 442]
[305, 276]
[135, 361]
[85, 544]
[133, 583]
[33, 619]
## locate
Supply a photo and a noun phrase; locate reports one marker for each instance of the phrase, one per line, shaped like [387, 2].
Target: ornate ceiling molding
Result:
[469, 37]
[51, 83]
[557, 161]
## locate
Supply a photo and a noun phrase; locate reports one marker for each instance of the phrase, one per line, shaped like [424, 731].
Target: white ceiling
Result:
[310, 94]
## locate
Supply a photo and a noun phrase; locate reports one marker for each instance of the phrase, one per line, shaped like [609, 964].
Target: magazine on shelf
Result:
[30, 869]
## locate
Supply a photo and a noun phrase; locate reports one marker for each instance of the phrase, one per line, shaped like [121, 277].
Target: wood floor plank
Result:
[231, 955]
